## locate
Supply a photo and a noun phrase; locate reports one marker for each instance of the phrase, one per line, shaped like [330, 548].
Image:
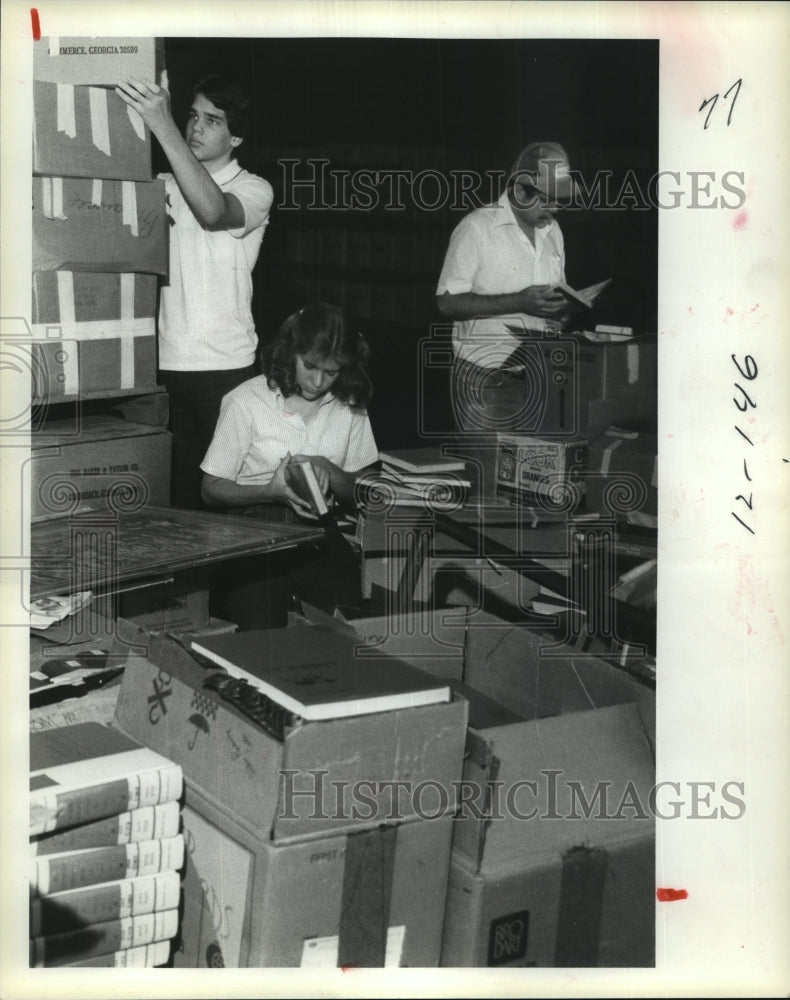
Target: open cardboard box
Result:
[282, 788]
[553, 851]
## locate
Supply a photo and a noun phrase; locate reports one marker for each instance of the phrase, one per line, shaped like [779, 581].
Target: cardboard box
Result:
[88, 132]
[82, 224]
[97, 61]
[431, 639]
[83, 466]
[179, 605]
[284, 787]
[92, 332]
[560, 869]
[622, 476]
[536, 677]
[365, 899]
[539, 471]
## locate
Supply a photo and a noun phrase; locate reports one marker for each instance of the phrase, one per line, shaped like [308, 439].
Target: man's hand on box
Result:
[150, 100]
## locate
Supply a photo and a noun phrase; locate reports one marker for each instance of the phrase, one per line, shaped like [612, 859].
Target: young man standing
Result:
[218, 212]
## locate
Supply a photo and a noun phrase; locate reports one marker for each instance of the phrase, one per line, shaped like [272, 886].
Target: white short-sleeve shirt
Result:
[205, 309]
[489, 254]
[256, 430]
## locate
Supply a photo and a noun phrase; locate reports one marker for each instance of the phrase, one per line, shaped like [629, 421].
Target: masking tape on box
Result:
[137, 123]
[52, 198]
[100, 126]
[129, 206]
[66, 115]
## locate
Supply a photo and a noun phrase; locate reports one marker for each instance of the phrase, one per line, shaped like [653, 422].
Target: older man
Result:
[496, 285]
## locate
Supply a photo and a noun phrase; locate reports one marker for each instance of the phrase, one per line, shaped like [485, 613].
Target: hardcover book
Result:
[424, 460]
[145, 823]
[147, 956]
[102, 939]
[302, 479]
[98, 904]
[314, 672]
[55, 873]
[87, 771]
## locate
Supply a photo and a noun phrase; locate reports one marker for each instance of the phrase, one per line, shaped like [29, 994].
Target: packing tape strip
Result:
[66, 114]
[582, 885]
[52, 198]
[129, 206]
[137, 123]
[96, 329]
[366, 897]
[127, 343]
[69, 358]
[632, 361]
[100, 126]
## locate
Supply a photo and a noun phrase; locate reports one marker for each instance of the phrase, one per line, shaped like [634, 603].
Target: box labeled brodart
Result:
[84, 224]
[88, 132]
[556, 864]
[93, 332]
[541, 472]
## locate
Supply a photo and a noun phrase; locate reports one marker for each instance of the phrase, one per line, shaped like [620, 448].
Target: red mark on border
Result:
[348, 967]
[739, 222]
[36, 24]
[671, 895]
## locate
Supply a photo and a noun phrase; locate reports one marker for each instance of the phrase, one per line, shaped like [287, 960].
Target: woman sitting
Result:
[309, 403]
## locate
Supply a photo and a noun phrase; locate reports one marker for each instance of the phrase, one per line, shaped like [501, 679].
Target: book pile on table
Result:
[106, 849]
[416, 477]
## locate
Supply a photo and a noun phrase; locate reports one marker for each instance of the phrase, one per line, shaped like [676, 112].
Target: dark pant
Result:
[257, 592]
[486, 401]
[195, 399]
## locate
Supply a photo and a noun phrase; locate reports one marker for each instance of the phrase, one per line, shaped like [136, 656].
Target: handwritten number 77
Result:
[713, 101]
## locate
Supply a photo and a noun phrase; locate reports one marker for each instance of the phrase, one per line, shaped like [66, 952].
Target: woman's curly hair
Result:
[320, 331]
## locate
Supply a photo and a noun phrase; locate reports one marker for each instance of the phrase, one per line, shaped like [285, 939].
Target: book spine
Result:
[98, 904]
[75, 869]
[52, 807]
[147, 823]
[147, 956]
[102, 939]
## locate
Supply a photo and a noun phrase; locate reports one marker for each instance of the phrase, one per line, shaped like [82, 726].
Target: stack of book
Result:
[416, 477]
[106, 849]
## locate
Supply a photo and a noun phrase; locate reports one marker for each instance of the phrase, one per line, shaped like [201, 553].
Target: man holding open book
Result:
[498, 285]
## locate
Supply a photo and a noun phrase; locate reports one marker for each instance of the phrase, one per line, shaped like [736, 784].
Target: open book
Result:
[314, 671]
[584, 297]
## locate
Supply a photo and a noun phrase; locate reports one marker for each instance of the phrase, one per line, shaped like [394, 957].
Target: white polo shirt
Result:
[256, 430]
[490, 254]
[205, 309]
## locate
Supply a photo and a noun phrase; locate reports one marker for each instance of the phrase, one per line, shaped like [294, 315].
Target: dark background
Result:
[443, 105]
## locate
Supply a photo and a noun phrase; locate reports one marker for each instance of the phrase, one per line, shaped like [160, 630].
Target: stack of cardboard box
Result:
[99, 245]
[583, 383]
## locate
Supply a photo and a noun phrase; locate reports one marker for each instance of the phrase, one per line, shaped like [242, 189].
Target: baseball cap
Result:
[545, 166]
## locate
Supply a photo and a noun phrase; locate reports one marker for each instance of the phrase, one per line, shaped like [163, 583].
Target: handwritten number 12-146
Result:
[712, 101]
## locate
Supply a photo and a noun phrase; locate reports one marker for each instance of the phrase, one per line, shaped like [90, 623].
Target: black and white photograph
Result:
[395, 499]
